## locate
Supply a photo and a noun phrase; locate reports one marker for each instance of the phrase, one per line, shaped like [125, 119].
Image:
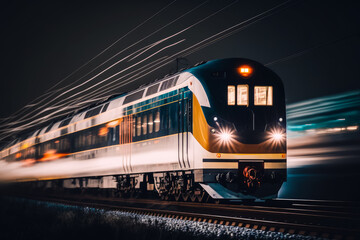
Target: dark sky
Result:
[44, 41]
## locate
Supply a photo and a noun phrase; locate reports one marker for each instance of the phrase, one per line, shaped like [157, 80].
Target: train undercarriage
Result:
[248, 183]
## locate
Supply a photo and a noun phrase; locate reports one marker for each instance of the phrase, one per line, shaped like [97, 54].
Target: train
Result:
[216, 130]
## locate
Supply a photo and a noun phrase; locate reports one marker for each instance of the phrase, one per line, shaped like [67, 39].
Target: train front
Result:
[243, 130]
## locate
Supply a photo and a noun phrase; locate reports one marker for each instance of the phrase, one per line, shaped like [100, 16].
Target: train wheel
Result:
[203, 197]
[193, 197]
[178, 196]
[185, 196]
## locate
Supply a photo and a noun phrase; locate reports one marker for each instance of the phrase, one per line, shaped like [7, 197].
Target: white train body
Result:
[157, 136]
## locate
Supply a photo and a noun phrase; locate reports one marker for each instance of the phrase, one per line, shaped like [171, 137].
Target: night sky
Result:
[316, 42]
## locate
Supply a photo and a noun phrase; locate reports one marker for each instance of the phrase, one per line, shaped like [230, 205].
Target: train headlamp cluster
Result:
[225, 136]
[277, 136]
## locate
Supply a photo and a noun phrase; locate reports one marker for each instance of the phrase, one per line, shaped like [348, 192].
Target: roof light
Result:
[245, 70]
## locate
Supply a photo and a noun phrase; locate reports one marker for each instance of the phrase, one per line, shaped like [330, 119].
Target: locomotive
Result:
[213, 131]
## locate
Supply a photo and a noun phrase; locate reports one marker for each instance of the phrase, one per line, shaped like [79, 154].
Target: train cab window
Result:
[157, 121]
[144, 124]
[138, 126]
[243, 95]
[263, 95]
[150, 123]
[231, 95]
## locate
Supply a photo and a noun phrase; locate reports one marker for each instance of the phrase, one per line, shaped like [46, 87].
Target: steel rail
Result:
[270, 220]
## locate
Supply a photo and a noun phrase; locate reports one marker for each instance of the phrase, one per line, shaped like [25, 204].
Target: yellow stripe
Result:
[274, 165]
[227, 165]
[234, 165]
[200, 127]
[252, 156]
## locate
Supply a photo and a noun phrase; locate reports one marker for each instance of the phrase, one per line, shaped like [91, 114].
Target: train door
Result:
[125, 139]
[184, 115]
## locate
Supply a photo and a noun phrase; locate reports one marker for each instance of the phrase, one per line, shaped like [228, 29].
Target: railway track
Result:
[334, 220]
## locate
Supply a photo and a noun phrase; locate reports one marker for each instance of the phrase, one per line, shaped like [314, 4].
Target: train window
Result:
[231, 95]
[65, 122]
[144, 124]
[49, 127]
[150, 123]
[243, 95]
[92, 112]
[168, 83]
[153, 89]
[133, 97]
[105, 107]
[157, 121]
[263, 95]
[138, 126]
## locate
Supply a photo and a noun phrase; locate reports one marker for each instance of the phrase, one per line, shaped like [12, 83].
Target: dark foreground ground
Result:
[30, 219]
[27, 219]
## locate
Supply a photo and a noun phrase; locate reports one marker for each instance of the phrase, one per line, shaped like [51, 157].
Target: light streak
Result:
[94, 85]
[216, 37]
[131, 45]
[175, 33]
[107, 48]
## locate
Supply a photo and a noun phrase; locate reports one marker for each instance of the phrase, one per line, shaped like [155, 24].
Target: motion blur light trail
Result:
[323, 148]
[332, 112]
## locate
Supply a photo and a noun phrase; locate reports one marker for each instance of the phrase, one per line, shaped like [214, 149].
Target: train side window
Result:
[231, 95]
[157, 121]
[144, 124]
[263, 95]
[150, 123]
[243, 95]
[138, 126]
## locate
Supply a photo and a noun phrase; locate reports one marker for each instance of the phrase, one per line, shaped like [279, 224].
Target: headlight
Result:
[225, 136]
[277, 136]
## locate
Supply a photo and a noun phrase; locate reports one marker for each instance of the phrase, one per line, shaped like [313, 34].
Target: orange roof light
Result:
[245, 70]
